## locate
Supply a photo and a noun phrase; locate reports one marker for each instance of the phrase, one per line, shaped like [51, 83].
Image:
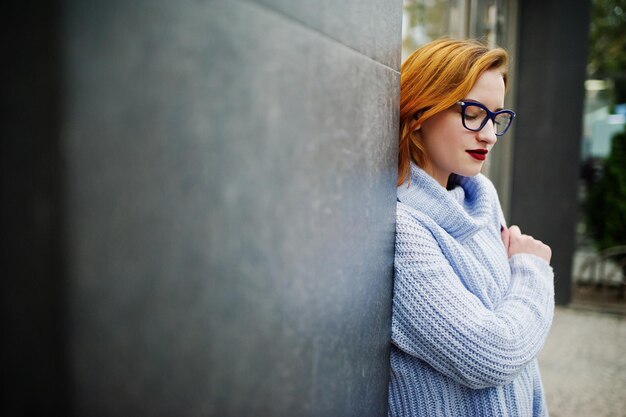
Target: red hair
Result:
[433, 78]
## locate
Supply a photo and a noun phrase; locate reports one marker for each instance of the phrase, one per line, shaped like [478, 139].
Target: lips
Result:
[479, 154]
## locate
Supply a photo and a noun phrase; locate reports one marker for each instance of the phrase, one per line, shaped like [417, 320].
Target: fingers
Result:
[516, 239]
[506, 237]
[520, 243]
[545, 252]
[515, 232]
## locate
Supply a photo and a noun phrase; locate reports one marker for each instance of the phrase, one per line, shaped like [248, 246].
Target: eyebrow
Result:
[476, 101]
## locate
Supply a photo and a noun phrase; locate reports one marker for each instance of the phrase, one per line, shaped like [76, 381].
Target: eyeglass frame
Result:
[489, 115]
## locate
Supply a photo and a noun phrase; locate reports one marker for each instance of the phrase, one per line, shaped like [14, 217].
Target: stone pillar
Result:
[551, 65]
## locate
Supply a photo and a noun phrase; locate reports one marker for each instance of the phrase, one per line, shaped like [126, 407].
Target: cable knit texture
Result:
[468, 322]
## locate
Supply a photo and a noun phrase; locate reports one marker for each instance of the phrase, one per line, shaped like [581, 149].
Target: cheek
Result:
[443, 135]
[442, 126]
[444, 140]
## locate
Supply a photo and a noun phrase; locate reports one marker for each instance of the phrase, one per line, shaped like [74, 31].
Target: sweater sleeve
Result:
[436, 319]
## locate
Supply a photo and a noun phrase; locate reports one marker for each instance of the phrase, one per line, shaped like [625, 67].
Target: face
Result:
[450, 147]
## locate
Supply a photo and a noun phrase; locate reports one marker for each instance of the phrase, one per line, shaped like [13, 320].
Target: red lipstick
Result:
[479, 154]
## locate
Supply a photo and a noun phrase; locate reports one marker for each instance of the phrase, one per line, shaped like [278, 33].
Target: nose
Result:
[488, 133]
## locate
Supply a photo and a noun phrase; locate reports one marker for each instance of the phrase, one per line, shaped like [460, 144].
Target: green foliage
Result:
[607, 38]
[431, 16]
[605, 208]
[607, 44]
[605, 205]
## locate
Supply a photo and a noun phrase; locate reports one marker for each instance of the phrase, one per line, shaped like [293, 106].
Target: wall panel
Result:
[230, 210]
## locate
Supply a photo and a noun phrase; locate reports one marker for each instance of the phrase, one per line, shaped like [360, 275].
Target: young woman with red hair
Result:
[473, 300]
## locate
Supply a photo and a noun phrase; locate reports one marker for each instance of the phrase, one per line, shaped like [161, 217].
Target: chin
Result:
[469, 172]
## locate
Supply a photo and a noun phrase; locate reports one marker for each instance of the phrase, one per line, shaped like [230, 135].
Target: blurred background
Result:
[198, 198]
[583, 364]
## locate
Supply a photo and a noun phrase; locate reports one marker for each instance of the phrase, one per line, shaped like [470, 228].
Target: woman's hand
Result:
[515, 242]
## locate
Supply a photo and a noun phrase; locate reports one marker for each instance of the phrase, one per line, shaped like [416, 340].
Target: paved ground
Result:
[584, 363]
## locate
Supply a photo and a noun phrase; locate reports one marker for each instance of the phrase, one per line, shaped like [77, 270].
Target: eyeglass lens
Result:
[475, 115]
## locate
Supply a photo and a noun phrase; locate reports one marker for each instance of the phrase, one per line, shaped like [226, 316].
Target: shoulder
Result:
[404, 211]
[407, 216]
[413, 226]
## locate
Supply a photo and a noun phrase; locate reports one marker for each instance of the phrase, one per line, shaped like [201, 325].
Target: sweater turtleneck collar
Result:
[461, 211]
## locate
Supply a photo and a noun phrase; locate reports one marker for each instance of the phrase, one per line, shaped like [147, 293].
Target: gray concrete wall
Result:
[551, 71]
[229, 205]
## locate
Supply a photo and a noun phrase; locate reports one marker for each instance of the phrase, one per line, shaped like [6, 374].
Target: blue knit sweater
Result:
[468, 322]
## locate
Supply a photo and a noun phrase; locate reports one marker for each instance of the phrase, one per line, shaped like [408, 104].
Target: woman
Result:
[473, 300]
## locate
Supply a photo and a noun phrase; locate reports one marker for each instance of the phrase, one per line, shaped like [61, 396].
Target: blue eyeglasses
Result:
[475, 116]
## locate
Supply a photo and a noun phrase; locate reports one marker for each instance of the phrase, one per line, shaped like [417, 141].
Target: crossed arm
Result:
[437, 319]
